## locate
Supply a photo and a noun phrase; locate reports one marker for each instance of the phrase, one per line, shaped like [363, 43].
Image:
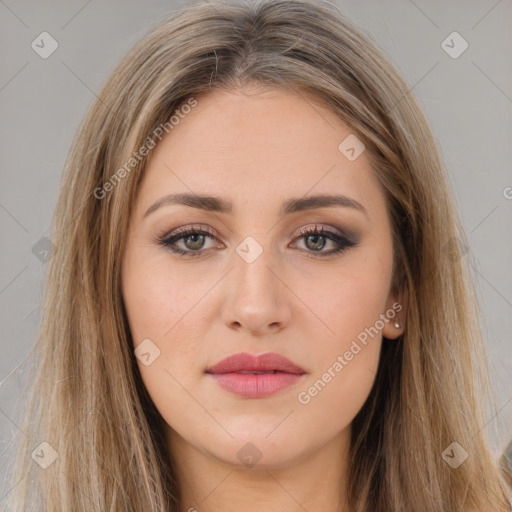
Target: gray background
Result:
[468, 101]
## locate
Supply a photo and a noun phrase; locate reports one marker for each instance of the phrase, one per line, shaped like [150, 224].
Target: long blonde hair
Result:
[87, 399]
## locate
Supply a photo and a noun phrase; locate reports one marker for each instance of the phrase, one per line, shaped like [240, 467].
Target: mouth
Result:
[255, 376]
[256, 373]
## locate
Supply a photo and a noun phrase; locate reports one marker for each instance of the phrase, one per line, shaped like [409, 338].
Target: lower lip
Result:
[253, 385]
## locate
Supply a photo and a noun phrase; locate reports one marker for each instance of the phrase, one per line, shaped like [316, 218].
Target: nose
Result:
[257, 297]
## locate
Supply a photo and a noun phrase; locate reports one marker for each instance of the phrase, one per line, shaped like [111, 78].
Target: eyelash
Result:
[342, 241]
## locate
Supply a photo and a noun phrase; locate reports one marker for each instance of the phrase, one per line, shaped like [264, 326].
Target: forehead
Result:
[258, 146]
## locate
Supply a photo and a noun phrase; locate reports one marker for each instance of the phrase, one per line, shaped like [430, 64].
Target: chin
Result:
[256, 455]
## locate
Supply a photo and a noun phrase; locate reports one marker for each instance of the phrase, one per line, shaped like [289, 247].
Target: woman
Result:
[258, 298]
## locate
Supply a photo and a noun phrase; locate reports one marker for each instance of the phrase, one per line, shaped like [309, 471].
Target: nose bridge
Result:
[256, 295]
[253, 264]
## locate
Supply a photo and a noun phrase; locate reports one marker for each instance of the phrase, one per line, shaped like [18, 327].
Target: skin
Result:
[258, 148]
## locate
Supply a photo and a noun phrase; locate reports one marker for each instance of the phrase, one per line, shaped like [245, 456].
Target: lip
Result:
[232, 375]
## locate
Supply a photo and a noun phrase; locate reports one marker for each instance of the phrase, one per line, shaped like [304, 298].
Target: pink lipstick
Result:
[255, 376]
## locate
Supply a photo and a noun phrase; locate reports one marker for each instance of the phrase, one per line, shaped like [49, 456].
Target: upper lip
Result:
[262, 363]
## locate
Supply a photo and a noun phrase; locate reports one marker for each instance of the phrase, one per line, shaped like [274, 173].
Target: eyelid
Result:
[185, 229]
[321, 226]
[301, 232]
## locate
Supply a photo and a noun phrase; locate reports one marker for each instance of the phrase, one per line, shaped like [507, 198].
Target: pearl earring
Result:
[397, 323]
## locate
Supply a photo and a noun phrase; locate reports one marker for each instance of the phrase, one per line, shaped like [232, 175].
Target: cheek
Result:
[350, 304]
[159, 302]
[162, 310]
[349, 299]
[346, 358]
[339, 394]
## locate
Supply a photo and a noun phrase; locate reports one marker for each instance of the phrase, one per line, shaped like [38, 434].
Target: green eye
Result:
[193, 240]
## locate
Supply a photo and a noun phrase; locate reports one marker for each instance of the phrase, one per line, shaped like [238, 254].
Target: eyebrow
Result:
[219, 205]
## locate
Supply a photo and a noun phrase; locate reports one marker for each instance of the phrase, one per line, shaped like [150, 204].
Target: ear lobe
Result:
[396, 312]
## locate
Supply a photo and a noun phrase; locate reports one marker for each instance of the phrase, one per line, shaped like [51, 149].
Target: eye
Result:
[192, 238]
[315, 240]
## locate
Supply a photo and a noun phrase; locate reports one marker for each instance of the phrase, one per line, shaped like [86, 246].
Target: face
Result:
[262, 268]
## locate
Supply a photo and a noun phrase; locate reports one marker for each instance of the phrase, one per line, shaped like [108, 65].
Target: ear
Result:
[396, 303]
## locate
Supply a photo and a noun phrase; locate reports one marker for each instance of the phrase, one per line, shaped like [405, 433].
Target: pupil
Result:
[198, 242]
[315, 243]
